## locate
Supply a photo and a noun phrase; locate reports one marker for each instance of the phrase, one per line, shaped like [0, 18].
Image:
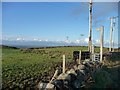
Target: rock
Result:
[81, 67]
[71, 71]
[77, 77]
[75, 67]
[82, 71]
[50, 86]
[44, 86]
[63, 76]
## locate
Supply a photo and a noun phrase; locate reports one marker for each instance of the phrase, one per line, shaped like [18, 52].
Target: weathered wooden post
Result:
[93, 50]
[54, 76]
[112, 28]
[63, 63]
[90, 27]
[101, 41]
[111, 33]
[79, 57]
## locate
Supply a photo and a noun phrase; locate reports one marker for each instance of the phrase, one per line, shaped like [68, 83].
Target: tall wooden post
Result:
[101, 29]
[90, 27]
[63, 63]
[93, 51]
[111, 33]
[101, 43]
[112, 28]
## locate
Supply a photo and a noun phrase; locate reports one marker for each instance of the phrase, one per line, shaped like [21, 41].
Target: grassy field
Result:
[24, 68]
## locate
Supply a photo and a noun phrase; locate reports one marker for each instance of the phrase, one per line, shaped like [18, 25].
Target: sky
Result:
[54, 21]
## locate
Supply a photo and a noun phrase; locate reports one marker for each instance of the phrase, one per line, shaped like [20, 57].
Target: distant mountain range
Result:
[32, 44]
[42, 43]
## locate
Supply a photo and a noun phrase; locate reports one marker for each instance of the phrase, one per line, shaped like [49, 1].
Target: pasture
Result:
[24, 68]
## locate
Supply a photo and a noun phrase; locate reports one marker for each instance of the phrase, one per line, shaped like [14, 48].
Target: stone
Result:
[63, 76]
[81, 67]
[50, 86]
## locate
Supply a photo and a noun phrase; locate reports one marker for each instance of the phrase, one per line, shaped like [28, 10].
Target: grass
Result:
[24, 68]
[108, 75]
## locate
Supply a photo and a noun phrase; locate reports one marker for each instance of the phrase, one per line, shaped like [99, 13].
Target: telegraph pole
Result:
[111, 32]
[112, 24]
[90, 27]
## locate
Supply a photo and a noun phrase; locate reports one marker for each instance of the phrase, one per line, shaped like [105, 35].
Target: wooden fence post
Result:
[63, 63]
[79, 57]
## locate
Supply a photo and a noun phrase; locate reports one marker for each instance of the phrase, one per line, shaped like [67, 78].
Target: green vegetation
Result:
[108, 75]
[24, 68]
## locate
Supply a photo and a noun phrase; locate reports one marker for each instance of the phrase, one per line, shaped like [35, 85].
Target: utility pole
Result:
[101, 29]
[90, 27]
[114, 22]
[112, 27]
[111, 32]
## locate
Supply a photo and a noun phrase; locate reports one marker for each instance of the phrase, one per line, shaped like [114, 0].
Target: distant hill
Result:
[38, 47]
[4, 46]
[33, 47]
[32, 44]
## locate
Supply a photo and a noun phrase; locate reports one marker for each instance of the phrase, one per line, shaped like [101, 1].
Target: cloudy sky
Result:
[50, 21]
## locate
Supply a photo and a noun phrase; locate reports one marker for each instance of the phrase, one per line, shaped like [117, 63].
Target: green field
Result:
[24, 68]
